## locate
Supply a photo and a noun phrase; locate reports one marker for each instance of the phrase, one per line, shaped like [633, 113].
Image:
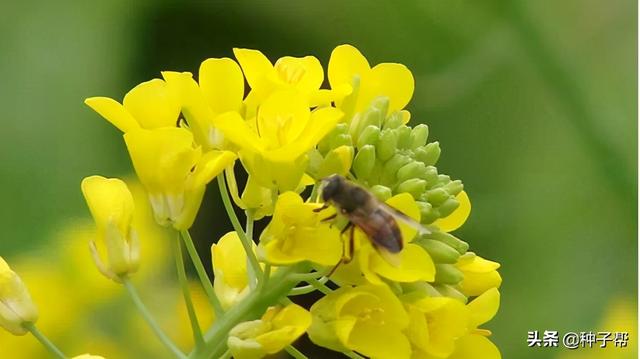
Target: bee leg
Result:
[348, 259]
[324, 206]
[329, 218]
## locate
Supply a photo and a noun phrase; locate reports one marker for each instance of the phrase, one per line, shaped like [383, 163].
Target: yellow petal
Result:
[238, 131]
[456, 219]
[113, 112]
[476, 264]
[153, 104]
[289, 324]
[346, 62]
[254, 65]
[405, 203]
[210, 165]
[222, 83]
[447, 320]
[475, 284]
[379, 341]
[162, 157]
[282, 117]
[387, 79]
[109, 200]
[475, 346]
[484, 307]
[415, 265]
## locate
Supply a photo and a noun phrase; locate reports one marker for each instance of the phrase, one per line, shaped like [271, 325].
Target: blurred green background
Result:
[534, 104]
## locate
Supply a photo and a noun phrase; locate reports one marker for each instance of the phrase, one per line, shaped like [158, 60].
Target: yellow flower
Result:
[273, 145]
[457, 218]
[277, 328]
[413, 263]
[88, 356]
[296, 233]
[16, 306]
[174, 172]
[149, 105]
[231, 280]
[220, 89]
[368, 319]
[348, 67]
[475, 343]
[111, 205]
[302, 74]
[480, 274]
[436, 324]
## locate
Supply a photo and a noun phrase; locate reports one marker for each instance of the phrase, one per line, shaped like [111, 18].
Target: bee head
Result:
[331, 186]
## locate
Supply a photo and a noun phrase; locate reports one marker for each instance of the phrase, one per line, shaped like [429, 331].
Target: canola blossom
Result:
[268, 148]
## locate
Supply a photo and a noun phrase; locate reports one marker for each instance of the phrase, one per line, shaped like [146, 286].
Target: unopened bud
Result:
[414, 186]
[16, 306]
[337, 161]
[404, 137]
[411, 170]
[364, 161]
[437, 196]
[391, 167]
[419, 135]
[454, 187]
[450, 240]
[451, 292]
[383, 193]
[387, 145]
[394, 120]
[448, 274]
[448, 206]
[428, 154]
[368, 136]
[440, 252]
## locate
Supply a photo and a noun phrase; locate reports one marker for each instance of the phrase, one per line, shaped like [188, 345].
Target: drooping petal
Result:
[456, 219]
[415, 265]
[113, 112]
[254, 65]
[222, 83]
[153, 104]
[346, 62]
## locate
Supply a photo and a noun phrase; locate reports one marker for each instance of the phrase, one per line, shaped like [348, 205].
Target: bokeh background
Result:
[534, 104]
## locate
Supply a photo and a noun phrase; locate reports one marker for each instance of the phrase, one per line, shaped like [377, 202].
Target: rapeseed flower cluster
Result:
[287, 133]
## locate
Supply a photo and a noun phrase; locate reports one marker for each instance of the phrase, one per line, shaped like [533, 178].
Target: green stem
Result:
[353, 355]
[251, 307]
[202, 274]
[133, 293]
[319, 286]
[307, 288]
[184, 284]
[265, 276]
[246, 242]
[295, 352]
[226, 355]
[31, 327]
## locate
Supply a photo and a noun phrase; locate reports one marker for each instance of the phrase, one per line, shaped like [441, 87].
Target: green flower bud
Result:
[315, 160]
[391, 167]
[430, 175]
[337, 161]
[404, 137]
[420, 289]
[426, 211]
[394, 120]
[381, 192]
[428, 154]
[419, 136]
[364, 161]
[454, 187]
[414, 186]
[387, 145]
[368, 136]
[411, 170]
[443, 179]
[437, 196]
[448, 206]
[448, 274]
[451, 292]
[342, 139]
[381, 103]
[450, 240]
[440, 252]
[329, 141]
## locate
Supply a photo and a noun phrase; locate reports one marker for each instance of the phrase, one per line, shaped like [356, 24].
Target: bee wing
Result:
[404, 219]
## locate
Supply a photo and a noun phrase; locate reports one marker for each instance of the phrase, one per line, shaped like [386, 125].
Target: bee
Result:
[376, 219]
